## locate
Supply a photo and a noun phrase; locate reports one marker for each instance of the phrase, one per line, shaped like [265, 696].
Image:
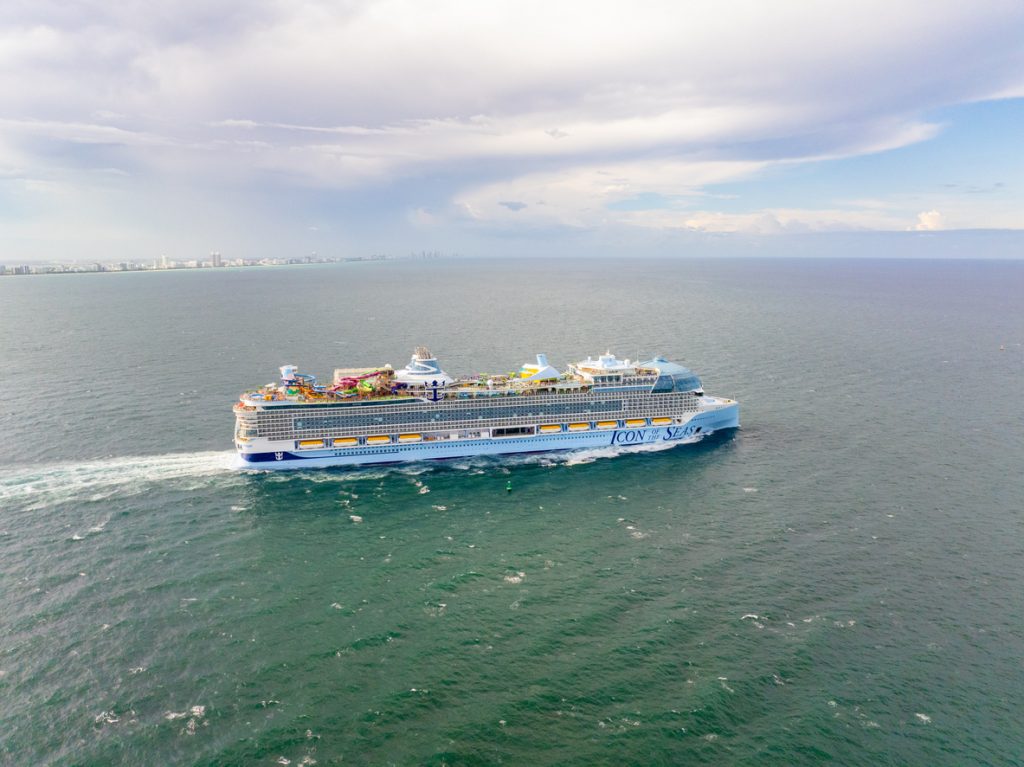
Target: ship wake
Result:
[98, 479]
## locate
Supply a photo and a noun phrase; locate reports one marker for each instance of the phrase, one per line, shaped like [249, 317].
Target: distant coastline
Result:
[215, 261]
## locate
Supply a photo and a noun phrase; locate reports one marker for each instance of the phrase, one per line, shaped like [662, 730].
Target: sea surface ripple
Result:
[837, 581]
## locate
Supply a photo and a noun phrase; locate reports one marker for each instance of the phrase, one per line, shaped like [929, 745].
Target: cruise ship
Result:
[382, 415]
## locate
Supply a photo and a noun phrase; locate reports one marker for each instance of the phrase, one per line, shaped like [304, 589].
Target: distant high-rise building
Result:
[215, 259]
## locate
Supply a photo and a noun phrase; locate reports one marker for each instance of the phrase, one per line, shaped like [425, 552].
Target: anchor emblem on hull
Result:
[434, 395]
[278, 456]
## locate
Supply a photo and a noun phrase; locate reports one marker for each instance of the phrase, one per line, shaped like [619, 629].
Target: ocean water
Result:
[839, 581]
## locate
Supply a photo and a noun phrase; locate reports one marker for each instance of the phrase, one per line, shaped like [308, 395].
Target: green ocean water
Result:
[839, 581]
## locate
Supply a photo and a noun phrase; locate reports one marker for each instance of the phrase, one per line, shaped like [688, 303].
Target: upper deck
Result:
[424, 381]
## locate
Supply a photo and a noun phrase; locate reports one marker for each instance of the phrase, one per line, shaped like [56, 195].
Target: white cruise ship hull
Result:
[715, 414]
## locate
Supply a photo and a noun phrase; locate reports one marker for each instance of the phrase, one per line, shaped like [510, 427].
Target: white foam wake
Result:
[97, 479]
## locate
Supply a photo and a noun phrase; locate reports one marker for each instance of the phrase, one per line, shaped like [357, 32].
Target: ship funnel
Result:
[542, 360]
[288, 372]
[423, 370]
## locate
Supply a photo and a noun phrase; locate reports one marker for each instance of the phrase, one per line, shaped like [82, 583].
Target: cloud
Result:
[567, 109]
[82, 133]
[929, 221]
[794, 220]
[585, 195]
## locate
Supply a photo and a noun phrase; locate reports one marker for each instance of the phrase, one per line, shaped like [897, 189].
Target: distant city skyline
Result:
[510, 129]
[214, 262]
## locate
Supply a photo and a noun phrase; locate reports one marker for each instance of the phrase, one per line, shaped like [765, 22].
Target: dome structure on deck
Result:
[673, 377]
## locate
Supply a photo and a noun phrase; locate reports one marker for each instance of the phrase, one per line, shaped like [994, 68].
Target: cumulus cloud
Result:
[929, 221]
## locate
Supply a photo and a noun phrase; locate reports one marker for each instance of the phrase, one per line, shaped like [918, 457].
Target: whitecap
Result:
[924, 718]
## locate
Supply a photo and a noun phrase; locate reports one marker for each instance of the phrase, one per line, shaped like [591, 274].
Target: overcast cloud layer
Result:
[268, 128]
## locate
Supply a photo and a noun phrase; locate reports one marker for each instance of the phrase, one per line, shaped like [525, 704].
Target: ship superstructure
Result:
[382, 415]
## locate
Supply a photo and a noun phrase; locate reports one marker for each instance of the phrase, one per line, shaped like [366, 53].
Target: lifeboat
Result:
[307, 444]
[633, 423]
[550, 428]
[607, 424]
[661, 421]
[378, 439]
[579, 427]
[345, 442]
[410, 437]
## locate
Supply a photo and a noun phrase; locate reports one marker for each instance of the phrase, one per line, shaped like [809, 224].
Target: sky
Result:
[282, 128]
